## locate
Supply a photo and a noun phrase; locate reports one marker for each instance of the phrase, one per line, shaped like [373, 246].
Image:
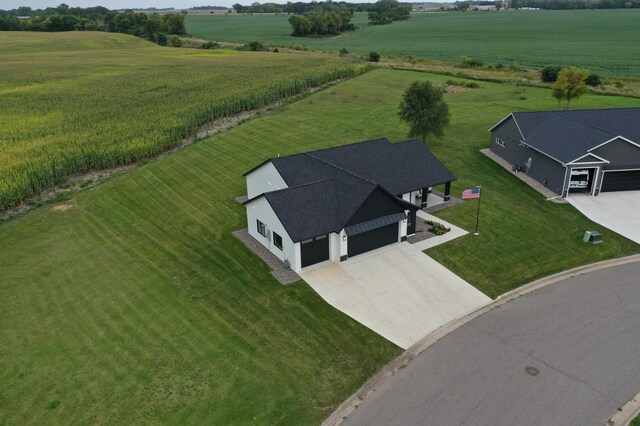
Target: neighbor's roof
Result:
[568, 135]
[326, 187]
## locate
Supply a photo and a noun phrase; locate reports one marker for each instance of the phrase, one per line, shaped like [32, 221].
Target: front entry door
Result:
[411, 222]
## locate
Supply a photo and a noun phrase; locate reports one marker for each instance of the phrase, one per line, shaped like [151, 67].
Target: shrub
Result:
[343, 51]
[461, 83]
[276, 50]
[499, 66]
[515, 67]
[210, 45]
[437, 228]
[593, 80]
[468, 62]
[374, 57]
[619, 84]
[162, 39]
[175, 40]
[254, 46]
[549, 74]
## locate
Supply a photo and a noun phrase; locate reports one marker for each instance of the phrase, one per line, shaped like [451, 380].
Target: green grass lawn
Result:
[635, 422]
[78, 101]
[601, 40]
[134, 303]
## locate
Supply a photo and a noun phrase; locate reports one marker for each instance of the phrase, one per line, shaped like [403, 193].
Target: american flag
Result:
[472, 193]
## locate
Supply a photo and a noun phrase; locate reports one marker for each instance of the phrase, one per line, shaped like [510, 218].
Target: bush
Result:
[499, 66]
[437, 228]
[468, 62]
[461, 83]
[374, 57]
[343, 51]
[254, 46]
[175, 40]
[210, 45]
[549, 74]
[515, 67]
[162, 39]
[619, 84]
[593, 80]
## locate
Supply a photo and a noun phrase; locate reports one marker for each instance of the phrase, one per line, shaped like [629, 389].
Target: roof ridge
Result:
[587, 124]
[301, 185]
[342, 169]
[350, 144]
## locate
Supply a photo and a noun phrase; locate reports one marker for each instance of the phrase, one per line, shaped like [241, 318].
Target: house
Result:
[588, 151]
[339, 202]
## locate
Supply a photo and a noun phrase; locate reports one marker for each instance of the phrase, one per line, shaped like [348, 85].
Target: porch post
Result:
[447, 191]
[423, 204]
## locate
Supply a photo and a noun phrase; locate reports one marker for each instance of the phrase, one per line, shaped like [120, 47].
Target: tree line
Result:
[575, 4]
[64, 18]
[298, 8]
[326, 18]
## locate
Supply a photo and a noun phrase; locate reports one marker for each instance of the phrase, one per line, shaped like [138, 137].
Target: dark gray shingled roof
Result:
[398, 167]
[327, 186]
[568, 135]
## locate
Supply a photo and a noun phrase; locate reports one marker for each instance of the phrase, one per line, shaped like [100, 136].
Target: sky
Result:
[132, 4]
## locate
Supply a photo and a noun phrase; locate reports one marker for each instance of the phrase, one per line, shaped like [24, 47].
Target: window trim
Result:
[500, 142]
[262, 228]
[277, 237]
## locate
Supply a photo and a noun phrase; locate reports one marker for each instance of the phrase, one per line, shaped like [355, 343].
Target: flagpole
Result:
[478, 212]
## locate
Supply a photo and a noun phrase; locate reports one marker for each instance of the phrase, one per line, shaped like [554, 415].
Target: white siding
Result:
[261, 210]
[334, 246]
[264, 179]
[402, 229]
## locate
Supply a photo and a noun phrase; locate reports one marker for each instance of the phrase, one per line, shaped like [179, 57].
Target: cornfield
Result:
[75, 102]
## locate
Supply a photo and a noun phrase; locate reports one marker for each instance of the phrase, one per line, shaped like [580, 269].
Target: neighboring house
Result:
[588, 151]
[485, 8]
[339, 202]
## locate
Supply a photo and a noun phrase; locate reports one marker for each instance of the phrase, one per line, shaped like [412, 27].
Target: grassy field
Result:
[73, 102]
[601, 40]
[133, 302]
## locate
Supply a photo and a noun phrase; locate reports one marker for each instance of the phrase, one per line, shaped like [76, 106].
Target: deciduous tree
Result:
[571, 84]
[424, 109]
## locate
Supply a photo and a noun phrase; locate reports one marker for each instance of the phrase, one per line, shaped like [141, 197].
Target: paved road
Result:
[582, 335]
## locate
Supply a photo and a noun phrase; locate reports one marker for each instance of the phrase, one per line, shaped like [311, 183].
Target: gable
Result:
[378, 204]
[618, 151]
[264, 178]
[589, 158]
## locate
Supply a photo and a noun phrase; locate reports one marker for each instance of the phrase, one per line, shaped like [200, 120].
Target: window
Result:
[277, 240]
[500, 142]
[262, 229]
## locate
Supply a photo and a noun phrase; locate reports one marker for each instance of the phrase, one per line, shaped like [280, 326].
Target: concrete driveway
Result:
[618, 211]
[397, 291]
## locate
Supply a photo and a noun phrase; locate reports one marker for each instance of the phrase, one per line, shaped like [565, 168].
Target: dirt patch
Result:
[457, 89]
[61, 208]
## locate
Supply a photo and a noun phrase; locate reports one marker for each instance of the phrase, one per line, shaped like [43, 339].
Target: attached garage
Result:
[314, 250]
[624, 180]
[372, 240]
[373, 234]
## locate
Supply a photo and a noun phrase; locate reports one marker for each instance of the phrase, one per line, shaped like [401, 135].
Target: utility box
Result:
[592, 237]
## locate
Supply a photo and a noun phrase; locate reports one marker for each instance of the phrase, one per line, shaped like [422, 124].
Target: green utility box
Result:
[592, 237]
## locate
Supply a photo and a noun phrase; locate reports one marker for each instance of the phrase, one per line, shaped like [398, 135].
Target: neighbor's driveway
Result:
[397, 291]
[618, 211]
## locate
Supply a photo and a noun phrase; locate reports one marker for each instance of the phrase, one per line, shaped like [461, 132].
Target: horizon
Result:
[139, 4]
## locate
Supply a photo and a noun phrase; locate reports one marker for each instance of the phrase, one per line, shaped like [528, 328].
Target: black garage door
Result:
[314, 250]
[621, 181]
[372, 239]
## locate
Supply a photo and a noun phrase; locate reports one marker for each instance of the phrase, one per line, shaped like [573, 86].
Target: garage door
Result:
[621, 181]
[373, 239]
[314, 250]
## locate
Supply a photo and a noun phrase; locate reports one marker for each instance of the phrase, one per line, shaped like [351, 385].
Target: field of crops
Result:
[73, 102]
[605, 41]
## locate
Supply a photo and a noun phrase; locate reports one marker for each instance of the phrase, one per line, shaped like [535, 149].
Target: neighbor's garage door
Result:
[314, 250]
[621, 181]
[372, 239]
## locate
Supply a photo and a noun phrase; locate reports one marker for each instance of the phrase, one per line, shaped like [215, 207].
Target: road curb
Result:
[626, 413]
[352, 403]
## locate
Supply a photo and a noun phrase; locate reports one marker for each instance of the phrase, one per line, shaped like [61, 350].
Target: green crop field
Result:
[73, 102]
[133, 303]
[605, 41]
